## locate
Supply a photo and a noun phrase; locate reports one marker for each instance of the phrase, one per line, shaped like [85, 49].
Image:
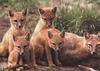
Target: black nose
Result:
[94, 53]
[21, 54]
[19, 26]
[49, 25]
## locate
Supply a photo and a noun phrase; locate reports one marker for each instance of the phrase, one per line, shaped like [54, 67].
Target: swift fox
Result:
[20, 55]
[78, 47]
[43, 41]
[47, 17]
[17, 22]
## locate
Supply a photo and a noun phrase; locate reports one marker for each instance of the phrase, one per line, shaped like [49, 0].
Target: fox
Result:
[93, 41]
[20, 55]
[47, 17]
[43, 41]
[78, 47]
[17, 28]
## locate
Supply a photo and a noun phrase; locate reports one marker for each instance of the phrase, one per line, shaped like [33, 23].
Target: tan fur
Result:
[94, 41]
[47, 17]
[75, 46]
[17, 22]
[42, 43]
[21, 49]
[78, 47]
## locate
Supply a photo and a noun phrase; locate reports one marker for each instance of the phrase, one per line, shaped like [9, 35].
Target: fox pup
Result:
[44, 40]
[20, 55]
[17, 22]
[78, 47]
[47, 17]
[93, 41]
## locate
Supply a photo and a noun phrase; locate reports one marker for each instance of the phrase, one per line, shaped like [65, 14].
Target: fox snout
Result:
[55, 48]
[49, 23]
[92, 50]
[21, 51]
[19, 25]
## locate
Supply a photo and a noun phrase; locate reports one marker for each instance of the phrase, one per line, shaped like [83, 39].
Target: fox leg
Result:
[49, 58]
[33, 57]
[57, 59]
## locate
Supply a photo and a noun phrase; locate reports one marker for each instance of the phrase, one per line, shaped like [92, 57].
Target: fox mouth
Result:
[54, 49]
[49, 25]
[19, 27]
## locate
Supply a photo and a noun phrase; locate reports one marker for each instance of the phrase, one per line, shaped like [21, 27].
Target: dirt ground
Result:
[45, 68]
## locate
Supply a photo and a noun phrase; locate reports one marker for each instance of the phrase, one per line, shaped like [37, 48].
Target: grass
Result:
[76, 18]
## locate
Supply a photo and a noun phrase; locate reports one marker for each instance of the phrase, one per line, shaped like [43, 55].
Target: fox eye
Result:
[89, 45]
[98, 45]
[25, 46]
[15, 20]
[53, 43]
[22, 20]
[60, 43]
[44, 18]
[18, 46]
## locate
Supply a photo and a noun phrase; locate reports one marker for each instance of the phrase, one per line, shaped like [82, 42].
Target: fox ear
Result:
[54, 9]
[87, 35]
[11, 13]
[98, 34]
[41, 11]
[24, 12]
[50, 35]
[62, 34]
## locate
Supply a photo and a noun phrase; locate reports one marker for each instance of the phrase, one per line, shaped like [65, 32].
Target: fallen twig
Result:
[85, 68]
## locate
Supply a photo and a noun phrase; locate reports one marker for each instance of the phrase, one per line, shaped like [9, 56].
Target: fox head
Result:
[21, 43]
[18, 19]
[48, 15]
[56, 40]
[93, 41]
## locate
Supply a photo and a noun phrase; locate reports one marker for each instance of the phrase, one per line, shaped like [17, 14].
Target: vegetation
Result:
[77, 20]
[19, 4]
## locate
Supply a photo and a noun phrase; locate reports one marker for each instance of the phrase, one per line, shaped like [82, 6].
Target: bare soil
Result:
[45, 68]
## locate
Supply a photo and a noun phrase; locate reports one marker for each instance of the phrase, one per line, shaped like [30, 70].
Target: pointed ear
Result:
[27, 36]
[54, 9]
[11, 13]
[98, 34]
[87, 35]
[24, 12]
[41, 11]
[50, 35]
[62, 34]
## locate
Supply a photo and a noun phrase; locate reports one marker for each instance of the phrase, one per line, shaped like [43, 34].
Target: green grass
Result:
[73, 19]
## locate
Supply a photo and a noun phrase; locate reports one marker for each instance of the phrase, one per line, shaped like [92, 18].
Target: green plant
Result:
[78, 20]
[20, 4]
